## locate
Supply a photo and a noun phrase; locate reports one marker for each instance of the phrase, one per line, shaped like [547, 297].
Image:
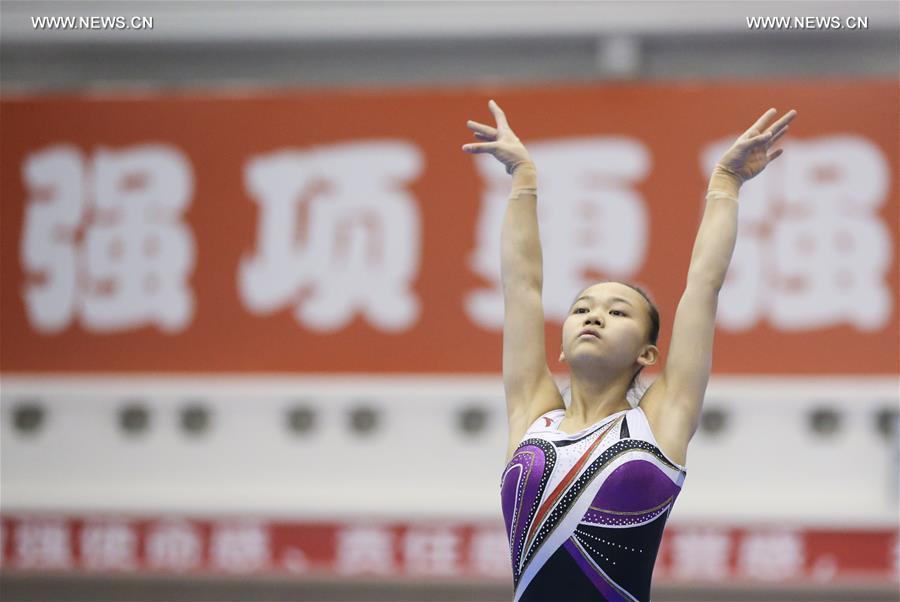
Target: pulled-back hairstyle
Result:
[636, 390]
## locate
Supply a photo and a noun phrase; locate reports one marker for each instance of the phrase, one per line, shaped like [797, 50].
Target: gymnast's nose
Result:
[595, 319]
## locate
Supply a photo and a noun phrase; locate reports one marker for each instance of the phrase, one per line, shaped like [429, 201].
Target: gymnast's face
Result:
[620, 316]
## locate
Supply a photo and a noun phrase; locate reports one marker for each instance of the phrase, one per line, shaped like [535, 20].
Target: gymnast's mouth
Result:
[588, 332]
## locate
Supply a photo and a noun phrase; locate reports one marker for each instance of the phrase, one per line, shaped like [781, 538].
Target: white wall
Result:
[766, 465]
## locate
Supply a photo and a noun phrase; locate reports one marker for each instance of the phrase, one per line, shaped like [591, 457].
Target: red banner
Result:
[345, 231]
[474, 551]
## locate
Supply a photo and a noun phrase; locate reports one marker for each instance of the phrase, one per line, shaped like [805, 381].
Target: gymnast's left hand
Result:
[750, 154]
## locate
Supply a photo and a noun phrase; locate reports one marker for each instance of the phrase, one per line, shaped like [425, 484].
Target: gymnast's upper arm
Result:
[527, 381]
[683, 381]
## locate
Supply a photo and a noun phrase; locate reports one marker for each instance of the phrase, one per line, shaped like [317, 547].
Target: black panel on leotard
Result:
[560, 580]
[633, 550]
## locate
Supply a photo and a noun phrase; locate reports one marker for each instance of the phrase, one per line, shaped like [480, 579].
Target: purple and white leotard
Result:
[585, 512]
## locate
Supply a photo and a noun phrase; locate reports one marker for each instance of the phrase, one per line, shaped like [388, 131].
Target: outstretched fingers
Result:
[482, 131]
[479, 147]
[777, 152]
[773, 132]
[781, 125]
[487, 134]
[777, 135]
[499, 115]
[766, 138]
[760, 124]
[760, 127]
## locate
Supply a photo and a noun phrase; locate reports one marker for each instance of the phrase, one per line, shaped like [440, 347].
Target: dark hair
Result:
[652, 336]
[634, 386]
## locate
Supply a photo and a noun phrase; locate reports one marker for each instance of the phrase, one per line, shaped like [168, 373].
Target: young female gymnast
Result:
[588, 488]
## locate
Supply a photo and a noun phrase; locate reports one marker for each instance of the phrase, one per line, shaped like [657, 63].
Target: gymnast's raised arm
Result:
[673, 403]
[529, 386]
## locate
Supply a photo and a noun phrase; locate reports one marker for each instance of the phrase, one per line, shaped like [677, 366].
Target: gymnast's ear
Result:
[649, 356]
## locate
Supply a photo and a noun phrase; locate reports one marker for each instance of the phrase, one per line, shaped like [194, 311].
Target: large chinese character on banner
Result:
[104, 241]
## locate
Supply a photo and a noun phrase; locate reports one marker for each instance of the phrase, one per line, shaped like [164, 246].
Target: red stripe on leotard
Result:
[563, 485]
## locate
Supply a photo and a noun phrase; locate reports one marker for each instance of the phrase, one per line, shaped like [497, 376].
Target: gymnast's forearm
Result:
[521, 262]
[716, 237]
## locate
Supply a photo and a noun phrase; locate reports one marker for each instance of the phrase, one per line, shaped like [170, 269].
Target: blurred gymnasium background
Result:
[250, 330]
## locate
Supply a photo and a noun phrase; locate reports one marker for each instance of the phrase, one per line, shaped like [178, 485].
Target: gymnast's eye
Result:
[579, 310]
[616, 312]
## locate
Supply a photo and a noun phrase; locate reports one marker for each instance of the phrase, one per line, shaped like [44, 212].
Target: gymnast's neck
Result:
[596, 397]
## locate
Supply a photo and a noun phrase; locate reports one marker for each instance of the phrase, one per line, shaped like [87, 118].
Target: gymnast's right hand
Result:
[501, 142]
